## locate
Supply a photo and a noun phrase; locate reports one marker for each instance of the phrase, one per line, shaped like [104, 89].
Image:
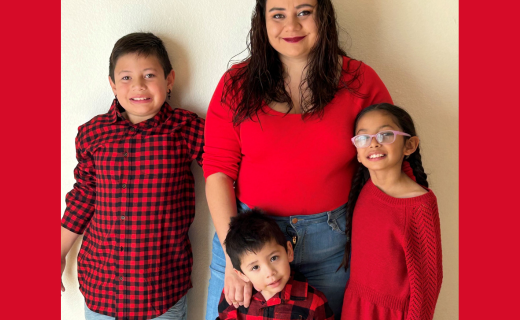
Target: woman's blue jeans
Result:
[320, 245]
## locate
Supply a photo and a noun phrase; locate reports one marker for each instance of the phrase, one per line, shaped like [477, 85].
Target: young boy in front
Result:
[260, 253]
[134, 198]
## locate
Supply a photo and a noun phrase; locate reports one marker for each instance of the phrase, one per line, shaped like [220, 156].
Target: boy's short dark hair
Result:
[249, 232]
[141, 43]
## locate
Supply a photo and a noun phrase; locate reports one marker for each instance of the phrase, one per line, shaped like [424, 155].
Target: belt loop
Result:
[329, 218]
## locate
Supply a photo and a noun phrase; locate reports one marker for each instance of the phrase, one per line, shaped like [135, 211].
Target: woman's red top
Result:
[287, 165]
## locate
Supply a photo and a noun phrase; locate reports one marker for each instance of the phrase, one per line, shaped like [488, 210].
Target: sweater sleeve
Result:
[81, 200]
[372, 87]
[222, 150]
[423, 260]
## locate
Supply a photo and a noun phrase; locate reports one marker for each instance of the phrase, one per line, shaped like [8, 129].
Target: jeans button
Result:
[294, 220]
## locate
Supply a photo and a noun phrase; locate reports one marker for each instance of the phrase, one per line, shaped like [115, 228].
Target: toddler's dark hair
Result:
[141, 43]
[405, 123]
[249, 232]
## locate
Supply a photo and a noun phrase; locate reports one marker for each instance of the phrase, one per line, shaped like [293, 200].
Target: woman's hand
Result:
[222, 206]
[237, 292]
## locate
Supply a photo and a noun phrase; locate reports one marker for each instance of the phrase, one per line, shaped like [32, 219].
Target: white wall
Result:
[413, 45]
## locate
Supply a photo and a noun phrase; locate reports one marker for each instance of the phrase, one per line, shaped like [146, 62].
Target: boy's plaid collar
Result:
[116, 109]
[295, 289]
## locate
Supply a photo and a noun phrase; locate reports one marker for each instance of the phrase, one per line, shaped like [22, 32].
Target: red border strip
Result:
[30, 159]
[489, 160]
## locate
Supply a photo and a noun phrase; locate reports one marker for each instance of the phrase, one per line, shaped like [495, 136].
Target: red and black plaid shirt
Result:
[298, 300]
[134, 200]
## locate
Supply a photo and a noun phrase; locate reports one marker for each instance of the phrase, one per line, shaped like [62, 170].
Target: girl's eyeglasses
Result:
[383, 137]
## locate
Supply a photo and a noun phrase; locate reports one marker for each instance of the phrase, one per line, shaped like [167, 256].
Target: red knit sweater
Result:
[283, 164]
[396, 263]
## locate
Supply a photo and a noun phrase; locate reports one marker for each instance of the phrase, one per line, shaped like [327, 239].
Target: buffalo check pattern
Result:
[134, 202]
[298, 300]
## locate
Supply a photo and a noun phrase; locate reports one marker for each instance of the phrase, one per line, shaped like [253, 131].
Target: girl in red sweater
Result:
[396, 263]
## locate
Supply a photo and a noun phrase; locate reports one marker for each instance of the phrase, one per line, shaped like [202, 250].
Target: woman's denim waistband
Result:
[304, 219]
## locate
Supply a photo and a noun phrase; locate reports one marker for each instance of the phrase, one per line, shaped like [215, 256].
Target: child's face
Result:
[268, 269]
[140, 85]
[378, 156]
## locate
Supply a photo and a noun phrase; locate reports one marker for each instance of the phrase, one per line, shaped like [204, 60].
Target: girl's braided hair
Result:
[405, 123]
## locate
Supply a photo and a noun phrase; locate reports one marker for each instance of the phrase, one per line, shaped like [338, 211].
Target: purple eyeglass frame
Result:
[375, 136]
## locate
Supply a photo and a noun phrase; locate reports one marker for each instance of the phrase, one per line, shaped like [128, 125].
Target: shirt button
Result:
[126, 154]
[124, 186]
[123, 217]
[120, 278]
[294, 220]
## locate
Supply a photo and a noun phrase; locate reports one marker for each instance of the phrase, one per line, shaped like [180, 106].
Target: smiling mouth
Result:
[376, 156]
[294, 40]
[139, 99]
[275, 284]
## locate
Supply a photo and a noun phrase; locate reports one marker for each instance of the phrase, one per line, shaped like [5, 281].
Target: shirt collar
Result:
[116, 111]
[295, 289]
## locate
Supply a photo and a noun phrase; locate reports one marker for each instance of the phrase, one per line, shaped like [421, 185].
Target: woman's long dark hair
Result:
[259, 79]
[405, 123]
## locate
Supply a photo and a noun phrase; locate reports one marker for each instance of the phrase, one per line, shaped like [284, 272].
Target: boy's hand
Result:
[67, 240]
[63, 263]
[237, 292]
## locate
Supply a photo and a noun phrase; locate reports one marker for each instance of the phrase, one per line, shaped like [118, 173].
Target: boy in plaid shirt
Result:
[260, 253]
[134, 197]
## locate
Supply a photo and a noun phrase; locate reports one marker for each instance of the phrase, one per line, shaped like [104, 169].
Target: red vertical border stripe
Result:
[489, 159]
[30, 159]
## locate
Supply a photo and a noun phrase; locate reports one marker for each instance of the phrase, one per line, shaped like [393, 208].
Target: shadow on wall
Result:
[200, 233]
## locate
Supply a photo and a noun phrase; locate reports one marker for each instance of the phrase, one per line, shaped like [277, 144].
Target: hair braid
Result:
[417, 167]
[358, 181]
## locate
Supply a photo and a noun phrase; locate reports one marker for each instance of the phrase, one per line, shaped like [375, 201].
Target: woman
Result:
[278, 133]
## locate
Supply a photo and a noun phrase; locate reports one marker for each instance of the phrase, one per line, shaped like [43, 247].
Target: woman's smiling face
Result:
[291, 26]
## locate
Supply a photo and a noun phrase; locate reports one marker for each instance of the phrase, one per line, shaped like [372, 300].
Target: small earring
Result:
[169, 93]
